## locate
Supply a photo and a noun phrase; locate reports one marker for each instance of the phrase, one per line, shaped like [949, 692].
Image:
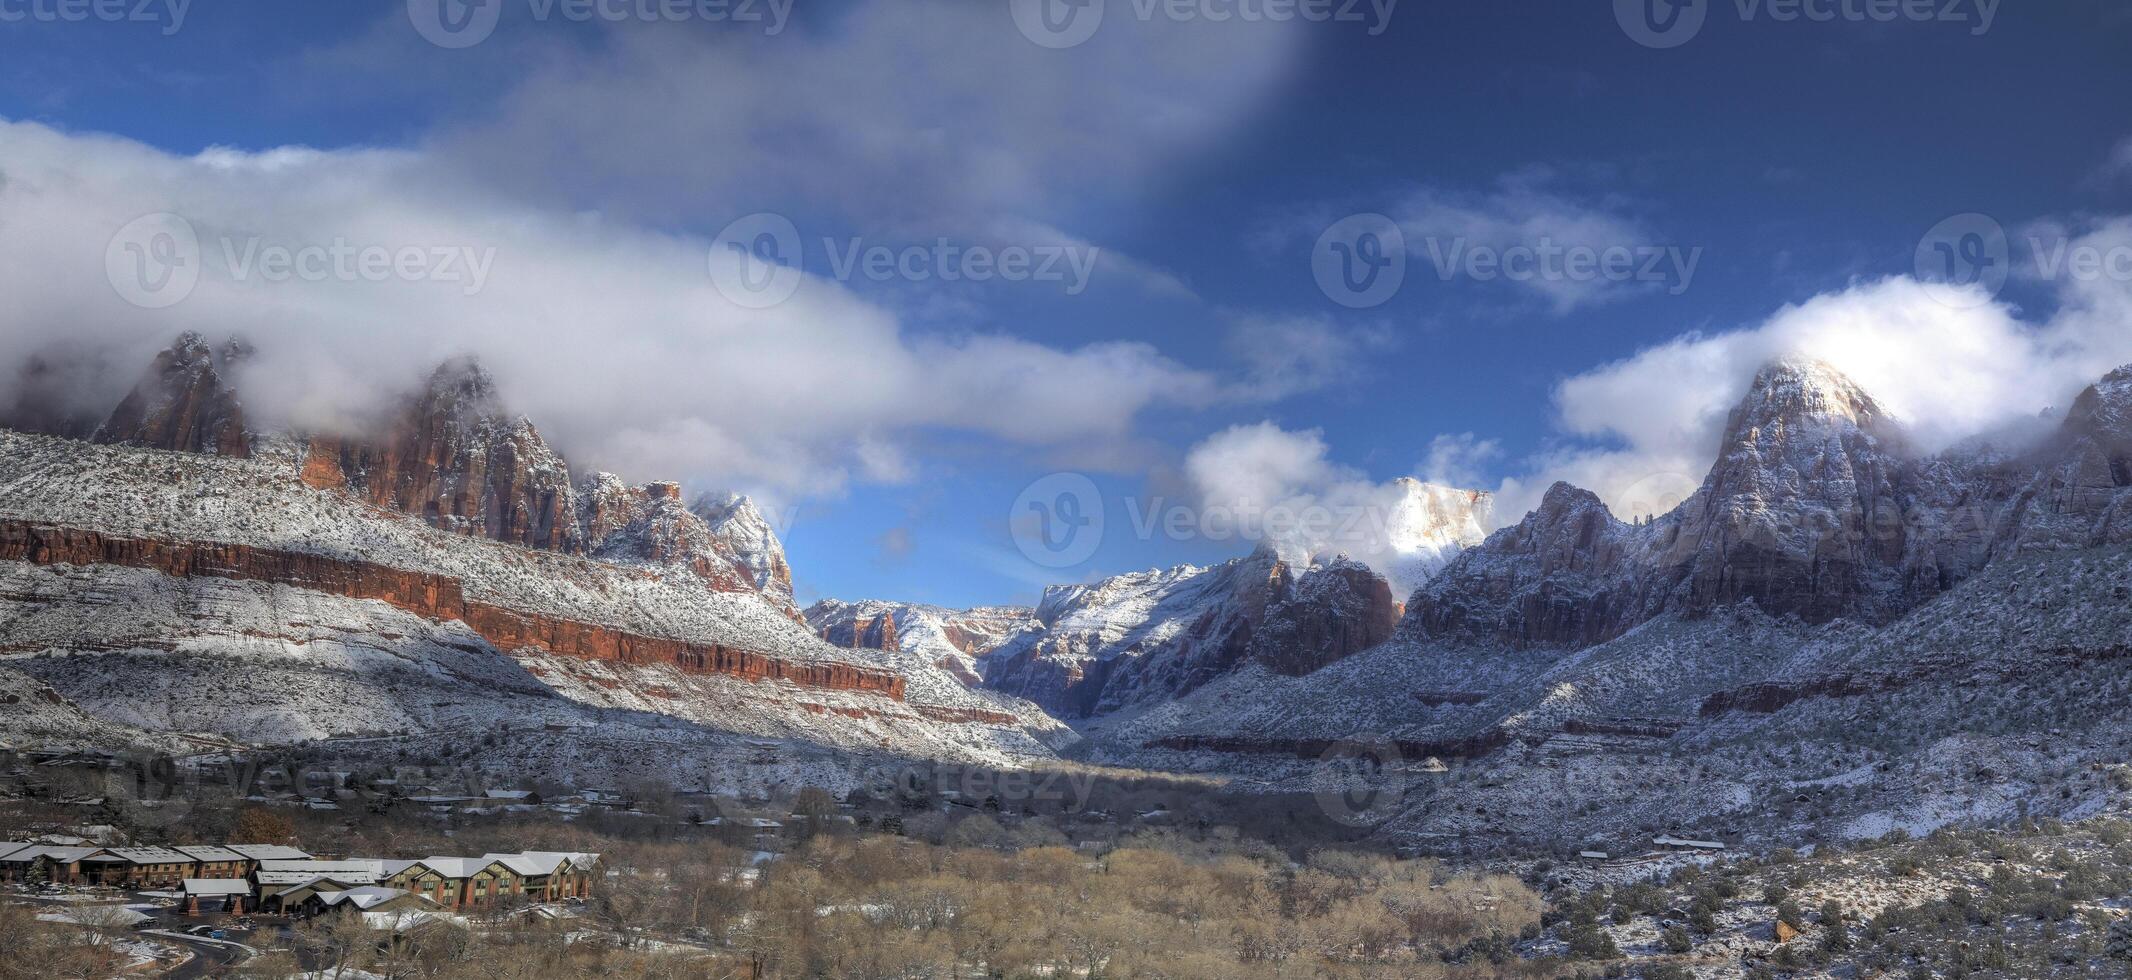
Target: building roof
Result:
[300, 872]
[550, 860]
[62, 855]
[210, 853]
[368, 897]
[270, 852]
[148, 855]
[1702, 845]
[337, 883]
[459, 867]
[210, 887]
[8, 847]
[519, 864]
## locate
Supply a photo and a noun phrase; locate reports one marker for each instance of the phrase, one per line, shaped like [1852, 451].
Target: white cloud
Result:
[1282, 487]
[1647, 426]
[1447, 231]
[613, 337]
[2119, 165]
[1287, 355]
[920, 116]
[1459, 460]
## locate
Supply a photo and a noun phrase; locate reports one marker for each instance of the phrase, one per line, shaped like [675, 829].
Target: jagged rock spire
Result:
[184, 403]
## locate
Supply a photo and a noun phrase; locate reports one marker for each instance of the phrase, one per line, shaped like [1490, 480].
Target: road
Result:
[211, 958]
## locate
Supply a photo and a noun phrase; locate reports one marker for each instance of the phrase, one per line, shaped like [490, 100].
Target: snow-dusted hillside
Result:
[954, 639]
[166, 652]
[1148, 636]
[1833, 637]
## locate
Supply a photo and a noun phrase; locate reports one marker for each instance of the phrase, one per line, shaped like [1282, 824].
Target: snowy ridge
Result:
[1832, 637]
[83, 614]
[1145, 637]
[954, 639]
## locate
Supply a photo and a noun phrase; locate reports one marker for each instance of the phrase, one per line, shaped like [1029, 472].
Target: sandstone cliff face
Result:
[1816, 508]
[183, 403]
[1333, 612]
[430, 596]
[648, 525]
[455, 458]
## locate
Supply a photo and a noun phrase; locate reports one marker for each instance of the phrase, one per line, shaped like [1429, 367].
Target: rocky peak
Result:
[1334, 611]
[744, 534]
[454, 456]
[2103, 413]
[1795, 397]
[1807, 511]
[648, 525]
[461, 388]
[184, 403]
[1147, 636]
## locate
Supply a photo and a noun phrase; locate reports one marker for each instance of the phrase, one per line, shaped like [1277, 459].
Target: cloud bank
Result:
[1643, 427]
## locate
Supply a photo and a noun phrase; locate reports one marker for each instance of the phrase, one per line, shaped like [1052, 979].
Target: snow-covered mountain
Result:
[955, 639]
[1144, 637]
[446, 577]
[741, 532]
[1815, 508]
[1834, 636]
[1427, 526]
[1148, 636]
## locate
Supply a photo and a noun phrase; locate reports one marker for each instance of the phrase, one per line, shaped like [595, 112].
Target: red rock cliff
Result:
[429, 596]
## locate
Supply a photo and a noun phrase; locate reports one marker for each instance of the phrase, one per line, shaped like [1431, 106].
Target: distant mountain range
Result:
[1837, 634]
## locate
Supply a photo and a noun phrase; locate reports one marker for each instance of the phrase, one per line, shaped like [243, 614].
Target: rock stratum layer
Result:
[430, 596]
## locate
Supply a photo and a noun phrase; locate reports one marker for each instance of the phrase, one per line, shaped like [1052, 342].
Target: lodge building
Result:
[283, 880]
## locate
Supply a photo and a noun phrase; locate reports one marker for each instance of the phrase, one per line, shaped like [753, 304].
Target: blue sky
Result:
[1795, 159]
